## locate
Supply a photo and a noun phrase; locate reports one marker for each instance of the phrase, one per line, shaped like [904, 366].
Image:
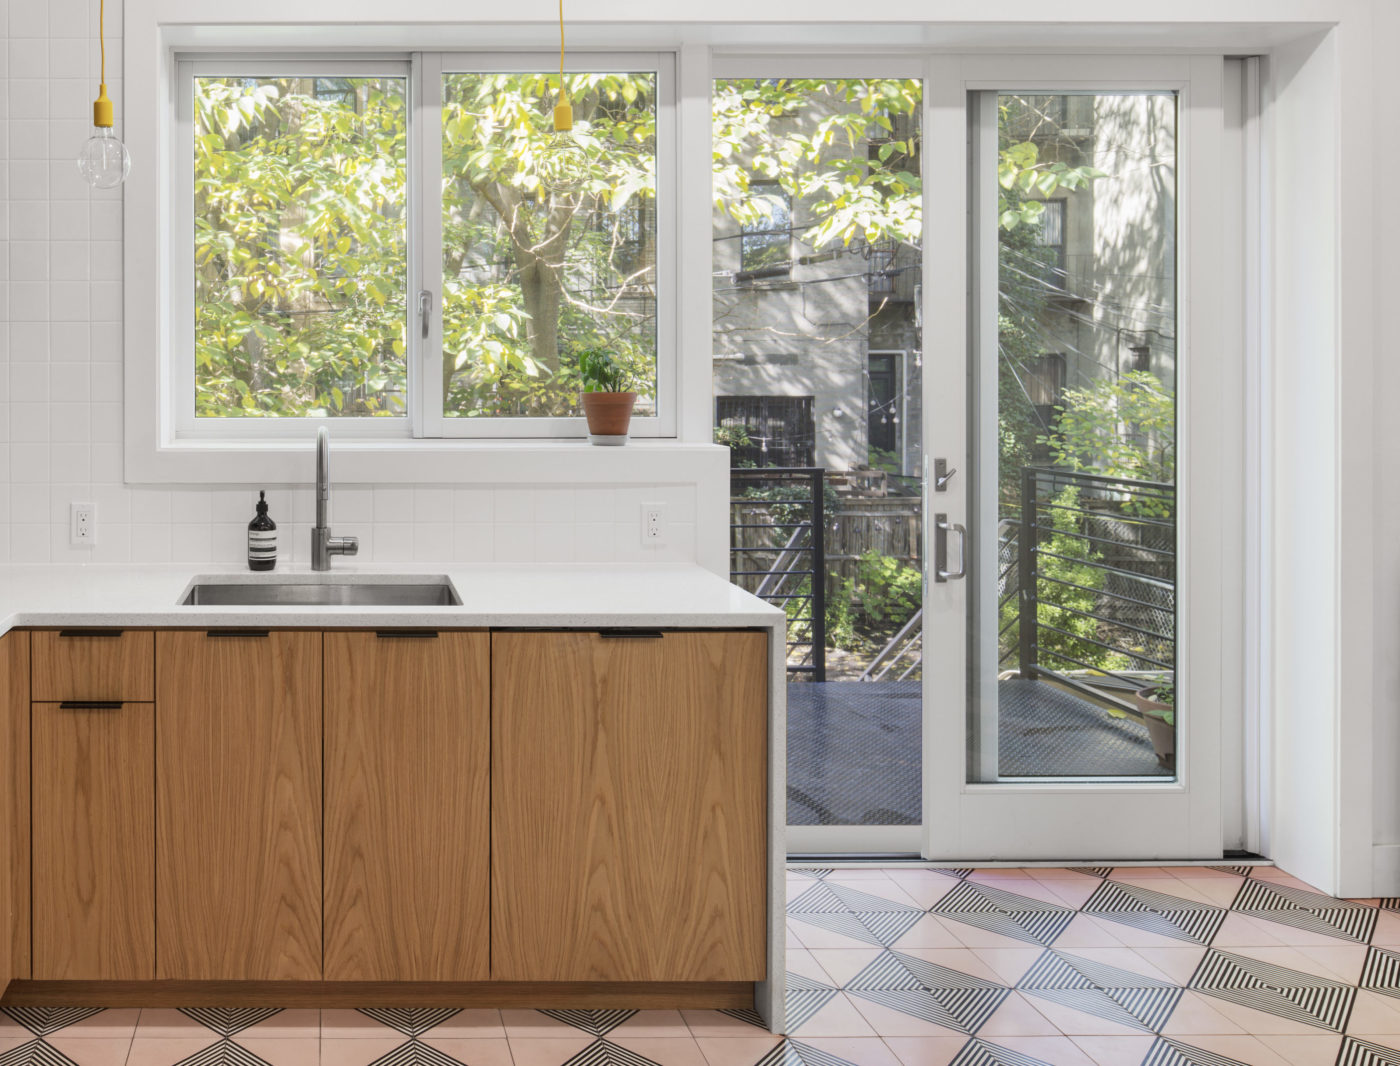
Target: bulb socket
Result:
[563, 116]
[102, 109]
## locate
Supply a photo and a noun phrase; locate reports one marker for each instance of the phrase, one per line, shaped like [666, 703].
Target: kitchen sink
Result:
[424, 591]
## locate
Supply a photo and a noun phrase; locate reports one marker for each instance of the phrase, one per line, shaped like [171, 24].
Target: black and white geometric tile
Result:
[934, 971]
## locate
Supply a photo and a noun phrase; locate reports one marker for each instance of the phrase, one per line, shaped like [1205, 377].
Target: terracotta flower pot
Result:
[609, 414]
[1163, 733]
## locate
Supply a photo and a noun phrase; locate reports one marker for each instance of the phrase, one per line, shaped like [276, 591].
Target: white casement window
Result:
[366, 243]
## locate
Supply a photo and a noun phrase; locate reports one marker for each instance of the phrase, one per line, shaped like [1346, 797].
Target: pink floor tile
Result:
[531, 1024]
[838, 1018]
[166, 1050]
[1196, 1013]
[728, 1051]
[351, 1025]
[1260, 1022]
[356, 1050]
[1178, 964]
[1125, 959]
[1017, 1016]
[1072, 1022]
[919, 1051]
[842, 964]
[1374, 1013]
[165, 1022]
[1069, 893]
[115, 1023]
[806, 964]
[284, 1051]
[932, 931]
[654, 1024]
[93, 1051]
[1061, 873]
[1028, 887]
[471, 1024]
[297, 1023]
[1055, 1050]
[1320, 1050]
[1087, 931]
[490, 1051]
[547, 1051]
[1115, 1050]
[924, 887]
[1341, 962]
[711, 1024]
[1241, 1048]
[885, 1021]
[665, 1051]
[1387, 932]
[863, 1051]
[963, 960]
[814, 936]
[1009, 964]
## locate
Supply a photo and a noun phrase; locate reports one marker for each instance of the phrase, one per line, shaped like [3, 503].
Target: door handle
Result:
[941, 528]
[425, 309]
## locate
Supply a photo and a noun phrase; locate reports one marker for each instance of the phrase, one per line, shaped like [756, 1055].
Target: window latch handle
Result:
[425, 309]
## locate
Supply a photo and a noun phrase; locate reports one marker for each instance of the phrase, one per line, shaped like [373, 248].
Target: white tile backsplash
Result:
[61, 380]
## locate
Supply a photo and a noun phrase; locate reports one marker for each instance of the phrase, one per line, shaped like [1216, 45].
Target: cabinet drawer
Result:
[94, 664]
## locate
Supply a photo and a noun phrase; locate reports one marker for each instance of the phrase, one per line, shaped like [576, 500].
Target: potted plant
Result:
[607, 402]
[1157, 706]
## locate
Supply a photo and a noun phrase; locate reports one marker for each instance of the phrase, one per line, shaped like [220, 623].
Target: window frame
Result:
[433, 420]
[180, 373]
[424, 418]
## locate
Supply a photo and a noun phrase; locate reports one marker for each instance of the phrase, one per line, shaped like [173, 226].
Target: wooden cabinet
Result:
[94, 847]
[94, 664]
[14, 808]
[407, 846]
[238, 805]
[628, 806]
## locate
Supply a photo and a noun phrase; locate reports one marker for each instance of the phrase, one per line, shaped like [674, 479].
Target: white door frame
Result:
[1181, 819]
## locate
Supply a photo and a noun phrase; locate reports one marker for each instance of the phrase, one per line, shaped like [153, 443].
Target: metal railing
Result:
[777, 546]
[1087, 581]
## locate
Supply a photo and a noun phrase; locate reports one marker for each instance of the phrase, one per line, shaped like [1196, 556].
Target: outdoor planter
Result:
[1160, 720]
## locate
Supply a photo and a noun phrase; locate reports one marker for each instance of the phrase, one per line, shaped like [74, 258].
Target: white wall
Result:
[61, 379]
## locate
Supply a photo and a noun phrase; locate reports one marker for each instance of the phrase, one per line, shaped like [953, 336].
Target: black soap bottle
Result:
[262, 538]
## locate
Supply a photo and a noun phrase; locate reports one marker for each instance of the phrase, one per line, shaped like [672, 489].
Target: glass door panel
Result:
[817, 345]
[1074, 610]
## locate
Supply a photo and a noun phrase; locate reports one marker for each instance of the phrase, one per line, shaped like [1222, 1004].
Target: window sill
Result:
[430, 462]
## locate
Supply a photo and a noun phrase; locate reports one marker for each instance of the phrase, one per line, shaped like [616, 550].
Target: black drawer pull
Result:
[237, 633]
[631, 634]
[90, 632]
[406, 634]
[90, 705]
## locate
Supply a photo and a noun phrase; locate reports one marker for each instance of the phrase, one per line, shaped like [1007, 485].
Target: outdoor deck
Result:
[854, 747]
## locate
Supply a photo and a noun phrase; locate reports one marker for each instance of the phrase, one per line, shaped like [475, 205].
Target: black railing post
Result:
[818, 576]
[1026, 575]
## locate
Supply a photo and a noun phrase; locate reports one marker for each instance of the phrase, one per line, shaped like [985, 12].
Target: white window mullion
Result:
[425, 244]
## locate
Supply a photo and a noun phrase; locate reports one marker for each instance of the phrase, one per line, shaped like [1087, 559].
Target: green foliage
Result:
[1124, 427]
[600, 372]
[300, 265]
[886, 591]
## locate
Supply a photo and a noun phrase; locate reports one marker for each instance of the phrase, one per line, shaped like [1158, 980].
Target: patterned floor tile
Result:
[1115, 1050]
[837, 1016]
[110, 1023]
[34, 1052]
[91, 1051]
[1157, 911]
[1054, 1050]
[734, 1050]
[1007, 914]
[357, 1050]
[1017, 1016]
[805, 999]
[44, 1020]
[979, 1052]
[473, 1051]
[1122, 997]
[229, 1021]
[859, 1051]
[411, 1021]
[1212, 1051]
[1277, 990]
[1364, 1053]
[1309, 911]
[667, 1024]
[920, 1051]
[167, 1050]
[534, 1024]
[662, 1050]
[709, 1024]
[593, 1022]
[1310, 1050]
[282, 1051]
[925, 990]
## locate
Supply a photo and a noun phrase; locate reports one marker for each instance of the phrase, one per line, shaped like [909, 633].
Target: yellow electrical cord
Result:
[102, 107]
[563, 112]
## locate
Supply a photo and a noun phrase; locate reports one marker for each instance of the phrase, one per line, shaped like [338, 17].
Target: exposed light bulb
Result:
[103, 160]
[563, 164]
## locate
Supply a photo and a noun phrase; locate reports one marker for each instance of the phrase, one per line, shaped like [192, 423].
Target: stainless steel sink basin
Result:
[429, 591]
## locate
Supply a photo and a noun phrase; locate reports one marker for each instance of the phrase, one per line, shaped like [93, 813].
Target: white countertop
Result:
[571, 595]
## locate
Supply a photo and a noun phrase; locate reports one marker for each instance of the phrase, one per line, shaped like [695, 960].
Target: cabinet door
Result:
[94, 845]
[408, 736]
[14, 808]
[238, 805]
[628, 806]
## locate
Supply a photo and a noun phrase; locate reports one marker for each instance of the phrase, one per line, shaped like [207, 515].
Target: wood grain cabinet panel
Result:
[238, 805]
[94, 844]
[628, 806]
[77, 664]
[14, 808]
[407, 752]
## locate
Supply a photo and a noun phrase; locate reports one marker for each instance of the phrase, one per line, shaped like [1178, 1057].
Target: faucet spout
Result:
[323, 545]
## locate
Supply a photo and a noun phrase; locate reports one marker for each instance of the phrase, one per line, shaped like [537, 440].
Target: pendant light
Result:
[563, 165]
[103, 160]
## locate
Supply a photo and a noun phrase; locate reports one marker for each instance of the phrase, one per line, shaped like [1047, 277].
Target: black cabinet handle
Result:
[406, 634]
[90, 632]
[237, 633]
[631, 634]
[90, 705]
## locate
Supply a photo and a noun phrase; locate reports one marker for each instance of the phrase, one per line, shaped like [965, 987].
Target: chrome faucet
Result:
[323, 545]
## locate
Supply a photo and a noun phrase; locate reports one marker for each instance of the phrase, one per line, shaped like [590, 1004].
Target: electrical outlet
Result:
[82, 525]
[653, 524]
